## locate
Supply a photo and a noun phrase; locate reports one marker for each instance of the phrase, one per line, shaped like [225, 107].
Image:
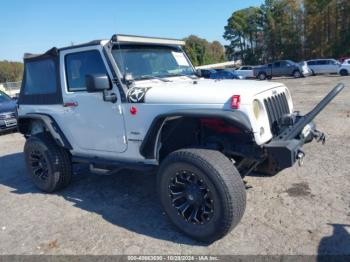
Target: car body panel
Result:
[278, 68]
[323, 66]
[7, 113]
[102, 129]
[246, 71]
[345, 66]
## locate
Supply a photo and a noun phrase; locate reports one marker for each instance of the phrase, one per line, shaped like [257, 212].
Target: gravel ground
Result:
[300, 211]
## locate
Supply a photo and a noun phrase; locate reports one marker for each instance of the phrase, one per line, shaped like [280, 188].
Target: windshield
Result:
[147, 62]
[4, 97]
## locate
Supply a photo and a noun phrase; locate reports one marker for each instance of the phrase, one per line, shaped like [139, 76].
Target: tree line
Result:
[202, 52]
[278, 29]
[289, 29]
[10, 71]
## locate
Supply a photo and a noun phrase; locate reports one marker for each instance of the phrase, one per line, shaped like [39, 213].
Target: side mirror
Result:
[199, 73]
[97, 83]
[100, 83]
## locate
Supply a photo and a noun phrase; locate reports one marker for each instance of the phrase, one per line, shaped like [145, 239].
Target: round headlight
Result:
[257, 109]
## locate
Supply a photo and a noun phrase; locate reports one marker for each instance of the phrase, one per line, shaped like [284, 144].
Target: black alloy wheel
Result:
[191, 197]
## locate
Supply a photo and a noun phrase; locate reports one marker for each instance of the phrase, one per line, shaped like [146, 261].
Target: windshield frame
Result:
[150, 46]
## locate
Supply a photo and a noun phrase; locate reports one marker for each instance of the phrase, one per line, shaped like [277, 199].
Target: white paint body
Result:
[96, 128]
[245, 71]
[324, 66]
[345, 66]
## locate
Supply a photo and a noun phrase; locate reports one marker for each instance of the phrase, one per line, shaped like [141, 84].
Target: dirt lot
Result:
[300, 211]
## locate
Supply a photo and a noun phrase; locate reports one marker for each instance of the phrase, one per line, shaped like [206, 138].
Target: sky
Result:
[34, 26]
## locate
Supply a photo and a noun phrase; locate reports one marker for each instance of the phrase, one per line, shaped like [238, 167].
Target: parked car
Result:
[136, 103]
[342, 59]
[206, 72]
[245, 71]
[226, 74]
[305, 68]
[323, 66]
[344, 69]
[279, 68]
[8, 119]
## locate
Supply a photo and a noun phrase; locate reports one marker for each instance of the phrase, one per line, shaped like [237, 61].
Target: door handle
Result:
[70, 104]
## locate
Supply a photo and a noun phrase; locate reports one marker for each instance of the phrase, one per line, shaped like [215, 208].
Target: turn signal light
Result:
[235, 101]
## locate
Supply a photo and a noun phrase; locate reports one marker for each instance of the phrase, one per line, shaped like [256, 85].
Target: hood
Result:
[205, 91]
[8, 106]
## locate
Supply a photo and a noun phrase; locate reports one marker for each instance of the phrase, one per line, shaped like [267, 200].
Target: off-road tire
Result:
[56, 160]
[223, 181]
[262, 76]
[344, 72]
[297, 74]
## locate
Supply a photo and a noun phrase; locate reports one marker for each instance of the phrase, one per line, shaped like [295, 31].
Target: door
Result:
[91, 123]
[286, 68]
[333, 66]
[322, 66]
[276, 69]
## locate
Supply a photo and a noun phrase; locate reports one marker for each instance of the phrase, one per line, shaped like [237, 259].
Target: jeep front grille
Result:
[276, 106]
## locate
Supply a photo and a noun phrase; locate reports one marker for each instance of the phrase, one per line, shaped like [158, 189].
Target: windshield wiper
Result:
[153, 77]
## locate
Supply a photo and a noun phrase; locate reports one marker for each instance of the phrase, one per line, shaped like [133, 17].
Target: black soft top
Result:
[54, 51]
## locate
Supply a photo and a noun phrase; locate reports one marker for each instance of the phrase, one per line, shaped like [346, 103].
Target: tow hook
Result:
[319, 136]
[300, 157]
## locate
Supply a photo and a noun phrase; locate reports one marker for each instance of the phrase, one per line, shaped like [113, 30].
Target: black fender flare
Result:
[236, 118]
[49, 123]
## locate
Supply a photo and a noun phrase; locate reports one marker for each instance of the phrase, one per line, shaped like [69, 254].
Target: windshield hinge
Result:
[120, 109]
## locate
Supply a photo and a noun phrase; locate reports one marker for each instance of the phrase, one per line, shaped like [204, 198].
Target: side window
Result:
[322, 62]
[277, 64]
[283, 63]
[40, 77]
[80, 64]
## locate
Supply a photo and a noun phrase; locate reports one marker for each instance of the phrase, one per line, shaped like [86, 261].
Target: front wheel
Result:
[49, 165]
[202, 193]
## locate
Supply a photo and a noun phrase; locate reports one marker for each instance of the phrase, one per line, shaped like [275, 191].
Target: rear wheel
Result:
[344, 72]
[202, 193]
[49, 165]
[297, 74]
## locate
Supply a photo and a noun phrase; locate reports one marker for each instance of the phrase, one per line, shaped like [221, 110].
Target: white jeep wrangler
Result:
[137, 103]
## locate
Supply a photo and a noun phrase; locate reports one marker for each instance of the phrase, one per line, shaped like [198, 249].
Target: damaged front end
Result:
[295, 130]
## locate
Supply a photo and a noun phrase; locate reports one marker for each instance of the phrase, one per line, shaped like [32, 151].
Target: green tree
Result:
[244, 31]
[289, 29]
[10, 71]
[201, 52]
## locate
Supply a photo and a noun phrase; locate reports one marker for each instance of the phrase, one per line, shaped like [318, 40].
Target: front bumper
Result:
[8, 124]
[285, 149]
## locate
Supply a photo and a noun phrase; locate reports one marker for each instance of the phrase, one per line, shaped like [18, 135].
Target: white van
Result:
[323, 66]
